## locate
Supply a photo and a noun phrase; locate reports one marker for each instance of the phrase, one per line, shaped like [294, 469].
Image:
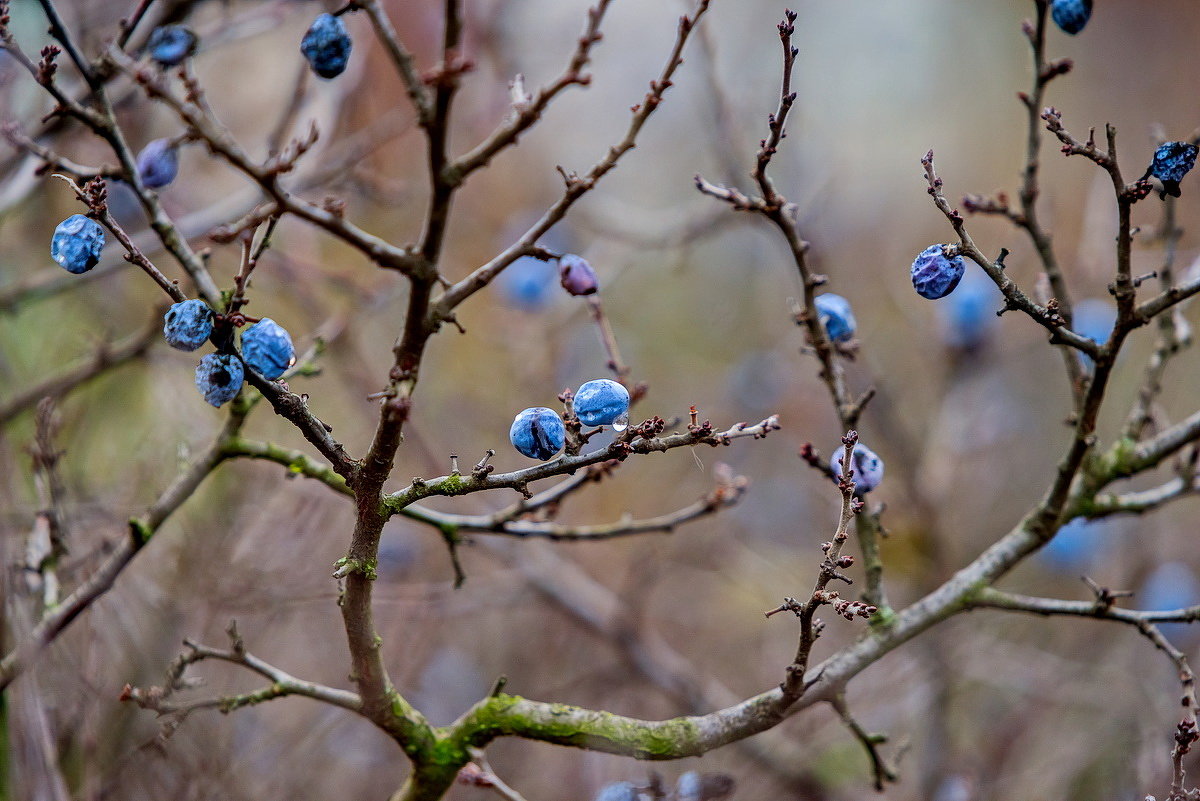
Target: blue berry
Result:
[1172, 161]
[1071, 15]
[836, 317]
[935, 276]
[1078, 545]
[689, 786]
[576, 275]
[326, 45]
[158, 163]
[866, 472]
[77, 243]
[969, 315]
[187, 325]
[538, 433]
[618, 791]
[527, 283]
[267, 348]
[1094, 319]
[219, 377]
[1172, 585]
[169, 45]
[601, 402]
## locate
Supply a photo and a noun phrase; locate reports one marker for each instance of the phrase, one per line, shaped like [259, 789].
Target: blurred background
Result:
[969, 417]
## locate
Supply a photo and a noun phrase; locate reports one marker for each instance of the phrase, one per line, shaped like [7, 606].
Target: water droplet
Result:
[621, 423]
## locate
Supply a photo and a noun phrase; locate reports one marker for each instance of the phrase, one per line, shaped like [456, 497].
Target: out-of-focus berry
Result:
[935, 276]
[219, 377]
[866, 471]
[968, 316]
[836, 317]
[1078, 545]
[187, 325]
[1172, 585]
[77, 243]
[326, 45]
[267, 348]
[618, 791]
[1094, 319]
[158, 163]
[527, 283]
[1171, 162]
[538, 433]
[169, 45]
[1071, 15]
[688, 787]
[576, 275]
[601, 402]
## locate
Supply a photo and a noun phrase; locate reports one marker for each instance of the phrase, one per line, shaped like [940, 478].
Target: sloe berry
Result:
[327, 45]
[169, 45]
[866, 471]
[601, 402]
[836, 316]
[576, 275]
[188, 324]
[158, 163]
[77, 243]
[219, 377]
[538, 433]
[267, 348]
[935, 276]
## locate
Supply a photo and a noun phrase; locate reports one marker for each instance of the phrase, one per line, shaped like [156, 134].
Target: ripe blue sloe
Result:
[219, 377]
[1078, 545]
[1094, 319]
[689, 787]
[601, 402]
[527, 283]
[187, 325]
[836, 317]
[1071, 15]
[77, 243]
[538, 433]
[935, 276]
[267, 348]
[618, 791]
[158, 163]
[968, 316]
[169, 45]
[326, 45]
[1171, 162]
[576, 275]
[866, 471]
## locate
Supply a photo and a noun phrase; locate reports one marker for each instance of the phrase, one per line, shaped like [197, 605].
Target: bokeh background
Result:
[987, 706]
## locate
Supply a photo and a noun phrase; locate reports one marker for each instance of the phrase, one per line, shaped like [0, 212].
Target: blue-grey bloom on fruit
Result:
[866, 470]
[267, 348]
[538, 433]
[576, 275]
[158, 163]
[1171, 162]
[219, 377]
[327, 45]
[836, 317]
[601, 402]
[618, 791]
[188, 324]
[169, 45]
[935, 276]
[77, 243]
[1071, 15]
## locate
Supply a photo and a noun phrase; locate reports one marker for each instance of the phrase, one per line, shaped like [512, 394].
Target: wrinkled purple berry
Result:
[327, 45]
[77, 243]
[576, 275]
[219, 377]
[1071, 15]
[1171, 162]
[866, 471]
[601, 402]
[267, 349]
[169, 45]
[187, 325]
[158, 163]
[836, 317]
[935, 276]
[538, 433]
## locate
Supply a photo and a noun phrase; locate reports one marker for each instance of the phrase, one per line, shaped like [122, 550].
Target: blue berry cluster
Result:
[326, 45]
[866, 471]
[576, 275]
[1171, 162]
[158, 163]
[836, 317]
[538, 433]
[169, 45]
[77, 243]
[1071, 15]
[934, 275]
[188, 325]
